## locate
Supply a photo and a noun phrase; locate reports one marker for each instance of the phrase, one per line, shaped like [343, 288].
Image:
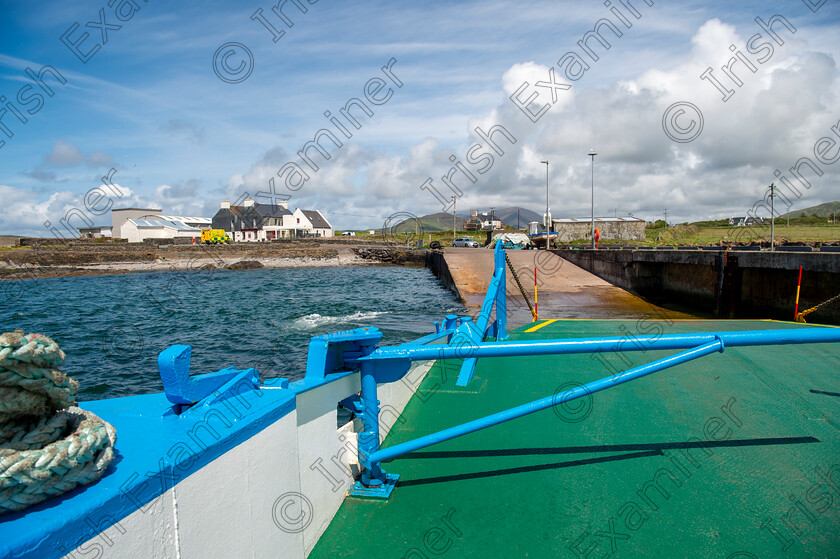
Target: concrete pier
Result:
[727, 284]
[564, 289]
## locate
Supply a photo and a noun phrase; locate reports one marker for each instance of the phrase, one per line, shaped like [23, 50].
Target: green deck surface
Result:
[611, 475]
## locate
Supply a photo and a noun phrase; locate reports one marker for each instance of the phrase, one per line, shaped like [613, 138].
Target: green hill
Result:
[431, 223]
[442, 221]
[822, 210]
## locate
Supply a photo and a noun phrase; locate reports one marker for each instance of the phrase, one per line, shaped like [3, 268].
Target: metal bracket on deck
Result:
[186, 391]
[336, 352]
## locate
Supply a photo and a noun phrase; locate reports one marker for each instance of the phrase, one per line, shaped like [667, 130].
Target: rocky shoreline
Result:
[85, 259]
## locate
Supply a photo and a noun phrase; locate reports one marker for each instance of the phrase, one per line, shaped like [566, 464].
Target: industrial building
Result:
[137, 224]
[577, 228]
[163, 227]
[121, 215]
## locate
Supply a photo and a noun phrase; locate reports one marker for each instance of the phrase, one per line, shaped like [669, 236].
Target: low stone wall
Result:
[392, 255]
[79, 253]
[728, 284]
[625, 230]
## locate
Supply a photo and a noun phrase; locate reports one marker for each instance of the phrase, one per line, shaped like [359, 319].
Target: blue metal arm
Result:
[593, 345]
[547, 402]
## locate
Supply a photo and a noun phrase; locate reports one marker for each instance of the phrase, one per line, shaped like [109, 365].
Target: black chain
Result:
[521, 289]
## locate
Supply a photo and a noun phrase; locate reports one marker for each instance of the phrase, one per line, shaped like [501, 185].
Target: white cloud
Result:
[64, 154]
[60, 214]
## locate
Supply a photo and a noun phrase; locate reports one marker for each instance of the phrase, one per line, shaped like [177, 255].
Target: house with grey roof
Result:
[314, 221]
[265, 222]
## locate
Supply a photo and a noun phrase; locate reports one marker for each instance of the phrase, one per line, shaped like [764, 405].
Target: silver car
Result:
[465, 242]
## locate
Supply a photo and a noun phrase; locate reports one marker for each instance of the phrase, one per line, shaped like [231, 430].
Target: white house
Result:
[265, 222]
[313, 222]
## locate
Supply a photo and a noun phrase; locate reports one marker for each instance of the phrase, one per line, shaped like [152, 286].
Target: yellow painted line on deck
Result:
[792, 322]
[537, 327]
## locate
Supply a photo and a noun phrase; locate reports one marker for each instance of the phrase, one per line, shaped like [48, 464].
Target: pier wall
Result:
[436, 262]
[728, 284]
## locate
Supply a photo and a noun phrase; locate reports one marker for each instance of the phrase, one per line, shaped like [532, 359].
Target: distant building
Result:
[482, 222]
[254, 222]
[121, 215]
[138, 230]
[137, 224]
[264, 222]
[95, 232]
[745, 221]
[576, 228]
[313, 221]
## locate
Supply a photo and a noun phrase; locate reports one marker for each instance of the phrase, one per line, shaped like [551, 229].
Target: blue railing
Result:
[468, 340]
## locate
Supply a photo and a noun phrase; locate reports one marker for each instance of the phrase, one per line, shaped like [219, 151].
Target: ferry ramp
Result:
[733, 456]
[563, 288]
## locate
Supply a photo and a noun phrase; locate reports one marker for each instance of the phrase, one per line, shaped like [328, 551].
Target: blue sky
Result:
[149, 105]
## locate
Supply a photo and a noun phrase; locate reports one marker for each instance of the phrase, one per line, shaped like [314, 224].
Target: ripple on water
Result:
[113, 327]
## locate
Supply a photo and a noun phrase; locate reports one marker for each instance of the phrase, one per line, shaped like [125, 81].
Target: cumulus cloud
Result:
[771, 120]
[186, 198]
[61, 213]
[64, 154]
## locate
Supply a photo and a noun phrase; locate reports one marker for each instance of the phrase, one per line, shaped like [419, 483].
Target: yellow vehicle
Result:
[214, 236]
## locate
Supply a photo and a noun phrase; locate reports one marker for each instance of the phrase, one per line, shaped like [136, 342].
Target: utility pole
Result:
[772, 217]
[592, 154]
[454, 203]
[666, 217]
[547, 211]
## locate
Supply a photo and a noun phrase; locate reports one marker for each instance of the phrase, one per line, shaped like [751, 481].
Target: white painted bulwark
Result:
[245, 503]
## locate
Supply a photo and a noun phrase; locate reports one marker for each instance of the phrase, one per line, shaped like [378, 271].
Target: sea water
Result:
[112, 328]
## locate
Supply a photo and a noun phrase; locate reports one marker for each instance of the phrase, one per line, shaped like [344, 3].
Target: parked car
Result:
[465, 242]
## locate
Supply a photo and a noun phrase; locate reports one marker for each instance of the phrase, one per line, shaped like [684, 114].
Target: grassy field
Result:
[699, 235]
[443, 237]
[692, 234]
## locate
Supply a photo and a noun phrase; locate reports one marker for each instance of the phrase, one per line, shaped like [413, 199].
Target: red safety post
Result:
[597, 238]
[798, 285]
[536, 300]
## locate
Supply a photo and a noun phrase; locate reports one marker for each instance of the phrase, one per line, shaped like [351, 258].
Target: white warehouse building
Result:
[138, 230]
[137, 224]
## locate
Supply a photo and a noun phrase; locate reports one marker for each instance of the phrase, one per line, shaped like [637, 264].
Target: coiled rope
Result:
[47, 445]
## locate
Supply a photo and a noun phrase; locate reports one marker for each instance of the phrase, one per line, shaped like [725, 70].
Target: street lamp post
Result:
[454, 205]
[772, 217]
[547, 214]
[592, 155]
